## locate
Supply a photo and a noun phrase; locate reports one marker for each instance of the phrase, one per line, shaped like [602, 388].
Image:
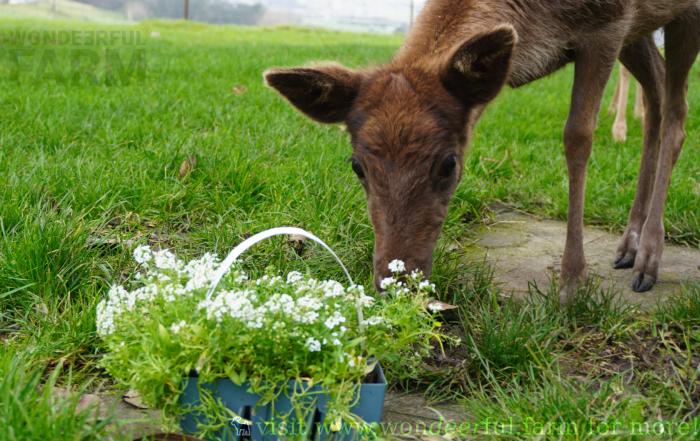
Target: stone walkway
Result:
[407, 414]
[523, 249]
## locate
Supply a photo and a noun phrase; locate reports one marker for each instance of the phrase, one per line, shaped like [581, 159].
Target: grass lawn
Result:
[194, 153]
[61, 9]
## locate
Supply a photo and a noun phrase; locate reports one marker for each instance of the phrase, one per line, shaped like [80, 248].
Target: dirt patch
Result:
[596, 358]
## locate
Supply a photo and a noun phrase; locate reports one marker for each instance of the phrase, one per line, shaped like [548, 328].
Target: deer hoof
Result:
[569, 288]
[627, 251]
[643, 282]
[566, 296]
[646, 265]
[624, 262]
[619, 133]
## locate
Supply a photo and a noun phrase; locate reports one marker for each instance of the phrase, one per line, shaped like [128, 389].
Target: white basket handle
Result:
[282, 231]
[248, 243]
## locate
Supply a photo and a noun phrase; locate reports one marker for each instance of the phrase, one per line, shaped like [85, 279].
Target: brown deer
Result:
[410, 120]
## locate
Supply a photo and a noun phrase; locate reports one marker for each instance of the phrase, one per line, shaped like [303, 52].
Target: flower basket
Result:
[264, 422]
[228, 357]
[259, 423]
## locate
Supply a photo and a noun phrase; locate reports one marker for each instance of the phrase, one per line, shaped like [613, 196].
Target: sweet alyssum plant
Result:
[262, 332]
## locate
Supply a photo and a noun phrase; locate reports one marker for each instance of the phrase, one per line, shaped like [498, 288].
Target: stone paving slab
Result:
[409, 416]
[412, 408]
[399, 408]
[524, 249]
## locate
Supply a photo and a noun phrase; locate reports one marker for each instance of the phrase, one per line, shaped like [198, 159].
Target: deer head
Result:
[409, 125]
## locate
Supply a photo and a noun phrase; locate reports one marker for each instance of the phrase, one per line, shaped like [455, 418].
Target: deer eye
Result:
[448, 166]
[357, 168]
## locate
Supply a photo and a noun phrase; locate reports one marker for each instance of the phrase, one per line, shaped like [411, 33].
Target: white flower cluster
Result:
[313, 345]
[397, 266]
[201, 272]
[165, 276]
[177, 327]
[235, 304]
[334, 320]
[304, 305]
[317, 313]
[399, 287]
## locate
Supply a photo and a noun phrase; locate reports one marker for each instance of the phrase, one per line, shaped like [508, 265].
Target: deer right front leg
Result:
[646, 63]
[592, 71]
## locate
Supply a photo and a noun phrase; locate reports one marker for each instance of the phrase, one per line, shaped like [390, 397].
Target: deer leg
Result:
[646, 63]
[619, 129]
[682, 46]
[612, 108]
[639, 102]
[592, 71]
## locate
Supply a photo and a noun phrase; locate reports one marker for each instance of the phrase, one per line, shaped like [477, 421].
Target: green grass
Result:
[550, 407]
[594, 370]
[90, 168]
[60, 9]
[33, 407]
[683, 308]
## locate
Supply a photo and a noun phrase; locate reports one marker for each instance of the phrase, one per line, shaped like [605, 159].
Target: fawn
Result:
[618, 105]
[410, 120]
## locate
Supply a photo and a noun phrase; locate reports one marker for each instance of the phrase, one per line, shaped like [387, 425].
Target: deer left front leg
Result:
[682, 47]
[593, 69]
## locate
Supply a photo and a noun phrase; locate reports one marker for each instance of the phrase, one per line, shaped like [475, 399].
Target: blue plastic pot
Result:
[369, 407]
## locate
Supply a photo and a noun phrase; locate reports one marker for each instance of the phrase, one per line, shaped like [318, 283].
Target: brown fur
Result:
[410, 120]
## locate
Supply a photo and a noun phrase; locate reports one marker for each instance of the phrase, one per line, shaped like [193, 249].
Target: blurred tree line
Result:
[210, 11]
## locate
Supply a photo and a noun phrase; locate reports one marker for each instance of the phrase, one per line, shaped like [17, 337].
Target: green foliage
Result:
[507, 337]
[682, 309]
[590, 307]
[33, 409]
[549, 407]
[45, 255]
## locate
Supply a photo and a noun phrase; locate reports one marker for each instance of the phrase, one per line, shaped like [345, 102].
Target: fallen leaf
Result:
[8, 332]
[103, 242]
[438, 306]
[134, 399]
[188, 165]
[298, 243]
[239, 90]
[41, 308]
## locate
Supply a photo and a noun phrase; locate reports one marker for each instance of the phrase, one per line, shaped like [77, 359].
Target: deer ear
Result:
[478, 69]
[324, 93]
